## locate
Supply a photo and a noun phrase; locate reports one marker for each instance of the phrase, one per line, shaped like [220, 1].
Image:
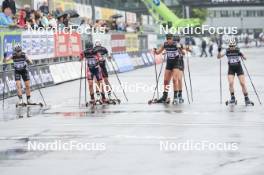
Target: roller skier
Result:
[173, 67]
[21, 69]
[233, 55]
[103, 54]
[93, 71]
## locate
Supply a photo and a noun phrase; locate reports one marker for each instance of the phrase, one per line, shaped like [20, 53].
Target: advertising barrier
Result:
[118, 43]
[123, 62]
[8, 40]
[38, 45]
[67, 44]
[131, 41]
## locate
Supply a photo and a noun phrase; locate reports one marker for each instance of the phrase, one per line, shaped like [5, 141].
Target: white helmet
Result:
[17, 47]
[97, 43]
[232, 42]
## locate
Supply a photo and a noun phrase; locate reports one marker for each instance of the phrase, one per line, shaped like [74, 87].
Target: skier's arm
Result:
[159, 51]
[181, 49]
[242, 56]
[29, 60]
[7, 58]
[81, 56]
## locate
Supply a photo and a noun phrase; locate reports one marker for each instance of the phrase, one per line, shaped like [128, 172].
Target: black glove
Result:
[219, 49]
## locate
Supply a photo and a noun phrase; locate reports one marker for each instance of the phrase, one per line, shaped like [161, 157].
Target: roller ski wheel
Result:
[112, 101]
[175, 101]
[91, 102]
[99, 102]
[181, 100]
[231, 102]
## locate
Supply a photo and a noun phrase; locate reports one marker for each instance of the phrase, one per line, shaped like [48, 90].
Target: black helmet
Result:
[169, 36]
[88, 45]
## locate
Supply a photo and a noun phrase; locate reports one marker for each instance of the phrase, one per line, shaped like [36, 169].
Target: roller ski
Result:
[248, 102]
[113, 101]
[28, 103]
[164, 99]
[91, 103]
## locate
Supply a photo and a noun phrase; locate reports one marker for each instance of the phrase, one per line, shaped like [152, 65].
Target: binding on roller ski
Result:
[21, 69]
[235, 57]
[174, 70]
[97, 75]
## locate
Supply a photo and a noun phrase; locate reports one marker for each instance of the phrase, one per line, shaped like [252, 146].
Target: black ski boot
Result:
[164, 98]
[175, 98]
[232, 101]
[181, 100]
[248, 102]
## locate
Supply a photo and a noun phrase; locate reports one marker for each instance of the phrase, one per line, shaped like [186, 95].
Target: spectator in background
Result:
[35, 20]
[43, 20]
[11, 4]
[21, 21]
[5, 17]
[44, 8]
[203, 48]
[211, 44]
[58, 12]
[60, 25]
[28, 11]
[52, 21]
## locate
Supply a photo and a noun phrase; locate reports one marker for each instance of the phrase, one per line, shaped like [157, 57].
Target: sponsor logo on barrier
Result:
[118, 43]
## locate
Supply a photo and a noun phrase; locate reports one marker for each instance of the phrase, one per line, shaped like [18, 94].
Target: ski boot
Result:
[248, 102]
[91, 102]
[29, 102]
[163, 99]
[110, 99]
[175, 100]
[232, 101]
[105, 101]
[20, 102]
[181, 100]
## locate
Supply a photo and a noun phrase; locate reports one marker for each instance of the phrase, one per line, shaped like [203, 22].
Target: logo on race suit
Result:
[156, 2]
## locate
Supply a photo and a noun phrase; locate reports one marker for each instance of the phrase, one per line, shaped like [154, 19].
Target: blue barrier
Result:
[123, 62]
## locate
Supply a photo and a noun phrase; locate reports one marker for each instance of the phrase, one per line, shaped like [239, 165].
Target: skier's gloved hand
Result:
[155, 50]
[219, 49]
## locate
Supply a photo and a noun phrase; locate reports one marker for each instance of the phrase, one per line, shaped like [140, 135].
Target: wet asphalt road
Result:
[131, 132]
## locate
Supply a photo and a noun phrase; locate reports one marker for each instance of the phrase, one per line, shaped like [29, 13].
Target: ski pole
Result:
[156, 74]
[187, 92]
[221, 89]
[251, 81]
[39, 90]
[118, 80]
[85, 76]
[80, 89]
[157, 83]
[189, 73]
[3, 78]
